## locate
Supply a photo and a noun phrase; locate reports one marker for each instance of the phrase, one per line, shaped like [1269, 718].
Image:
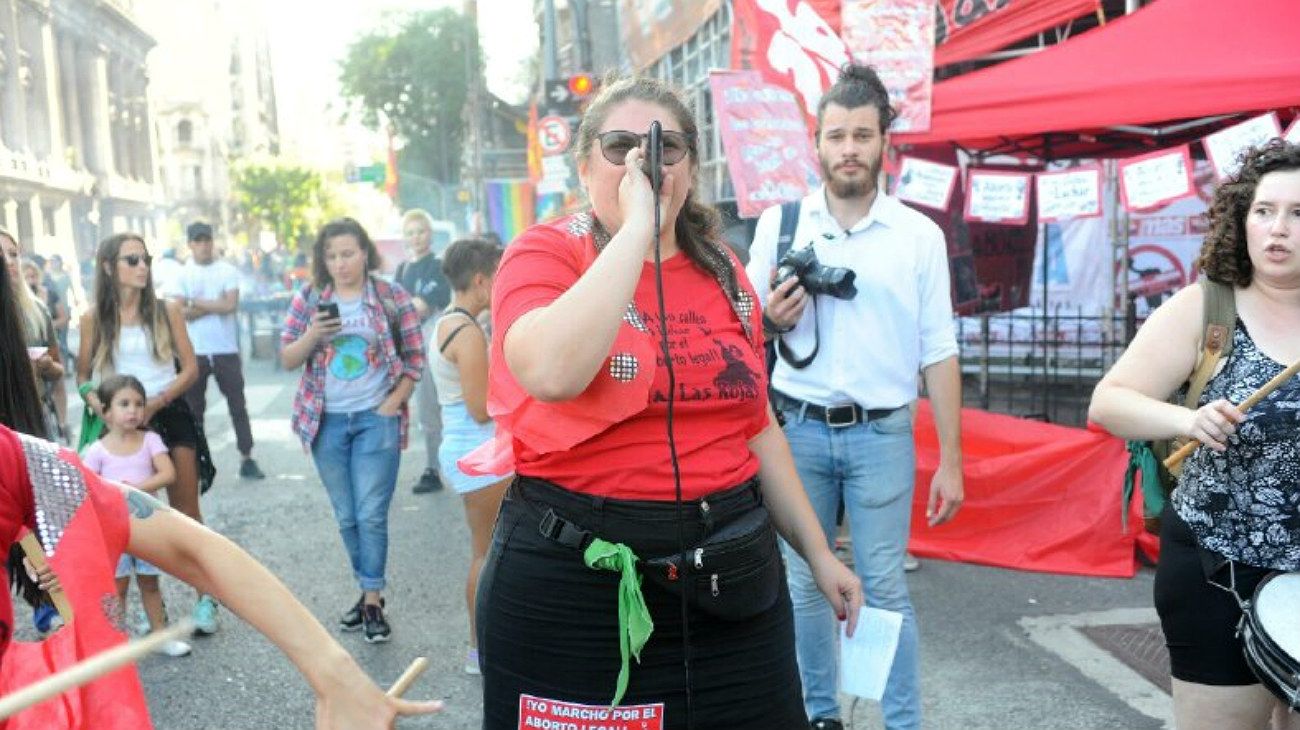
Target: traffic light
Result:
[581, 86]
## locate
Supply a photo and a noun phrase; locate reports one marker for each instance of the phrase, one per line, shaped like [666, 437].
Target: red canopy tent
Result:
[1195, 62]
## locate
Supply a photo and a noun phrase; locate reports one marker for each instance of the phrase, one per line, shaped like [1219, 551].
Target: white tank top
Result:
[446, 376]
[134, 356]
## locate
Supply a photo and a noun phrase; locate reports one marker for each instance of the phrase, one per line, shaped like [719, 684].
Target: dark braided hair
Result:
[858, 86]
[1223, 256]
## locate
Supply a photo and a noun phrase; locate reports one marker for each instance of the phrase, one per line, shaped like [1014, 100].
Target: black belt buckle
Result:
[556, 528]
[842, 416]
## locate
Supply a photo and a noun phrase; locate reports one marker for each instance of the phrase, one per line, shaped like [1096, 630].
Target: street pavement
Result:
[1000, 649]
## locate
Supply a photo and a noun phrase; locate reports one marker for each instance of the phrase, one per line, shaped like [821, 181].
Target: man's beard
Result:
[856, 188]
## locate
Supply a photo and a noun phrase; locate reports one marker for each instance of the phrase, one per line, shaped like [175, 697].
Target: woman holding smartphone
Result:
[359, 338]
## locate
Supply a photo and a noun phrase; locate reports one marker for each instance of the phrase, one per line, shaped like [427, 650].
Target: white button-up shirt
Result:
[874, 345]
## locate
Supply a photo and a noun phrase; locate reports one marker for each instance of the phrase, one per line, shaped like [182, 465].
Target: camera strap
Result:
[788, 355]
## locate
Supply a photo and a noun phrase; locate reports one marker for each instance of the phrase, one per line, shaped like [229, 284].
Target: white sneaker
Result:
[174, 648]
[910, 563]
[471, 662]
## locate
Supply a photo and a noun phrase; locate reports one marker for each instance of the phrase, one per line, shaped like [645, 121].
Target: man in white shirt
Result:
[847, 377]
[209, 291]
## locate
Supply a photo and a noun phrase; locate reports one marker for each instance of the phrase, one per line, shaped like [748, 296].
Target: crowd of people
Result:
[654, 444]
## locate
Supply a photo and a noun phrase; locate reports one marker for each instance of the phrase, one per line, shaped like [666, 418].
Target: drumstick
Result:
[88, 670]
[1177, 457]
[408, 677]
[36, 556]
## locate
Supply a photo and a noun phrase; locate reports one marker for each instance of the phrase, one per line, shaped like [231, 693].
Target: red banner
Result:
[1039, 497]
[769, 154]
[790, 45]
[895, 37]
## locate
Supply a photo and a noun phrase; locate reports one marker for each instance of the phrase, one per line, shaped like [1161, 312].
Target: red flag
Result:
[791, 45]
[83, 527]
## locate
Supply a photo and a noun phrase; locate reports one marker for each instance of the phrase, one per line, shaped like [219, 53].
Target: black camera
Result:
[813, 277]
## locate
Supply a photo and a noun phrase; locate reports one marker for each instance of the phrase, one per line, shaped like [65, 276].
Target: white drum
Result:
[1270, 635]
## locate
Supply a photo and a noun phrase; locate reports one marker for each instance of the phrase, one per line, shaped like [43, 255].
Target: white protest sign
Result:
[866, 658]
[1073, 193]
[997, 197]
[1293, 133]
[1225, 145]
[1157, 178]
[925, 183]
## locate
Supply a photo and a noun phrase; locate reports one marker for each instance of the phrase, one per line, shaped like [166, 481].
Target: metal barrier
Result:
[1038, 366]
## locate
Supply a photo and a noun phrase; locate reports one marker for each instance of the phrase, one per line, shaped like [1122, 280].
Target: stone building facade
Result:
[76, 159]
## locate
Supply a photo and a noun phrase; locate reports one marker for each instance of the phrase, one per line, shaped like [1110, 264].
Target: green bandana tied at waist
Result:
[634, 624]
[92, 426]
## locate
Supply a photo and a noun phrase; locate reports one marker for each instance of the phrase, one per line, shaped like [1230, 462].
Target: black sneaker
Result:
[249, 470]
[376, 626]
[352, 620]
[429, 482]
[826, 723]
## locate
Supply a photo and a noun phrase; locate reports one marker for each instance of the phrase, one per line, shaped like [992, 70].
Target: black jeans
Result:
[229, 371]
[548, 625]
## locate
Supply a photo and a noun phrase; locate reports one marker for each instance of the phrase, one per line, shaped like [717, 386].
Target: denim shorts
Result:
[461, 434]
[129, 564]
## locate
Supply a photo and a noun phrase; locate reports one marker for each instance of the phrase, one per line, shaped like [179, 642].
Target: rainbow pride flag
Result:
[509, 206]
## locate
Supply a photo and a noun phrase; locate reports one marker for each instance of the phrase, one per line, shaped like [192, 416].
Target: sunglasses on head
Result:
[133, 260]
[615, 145]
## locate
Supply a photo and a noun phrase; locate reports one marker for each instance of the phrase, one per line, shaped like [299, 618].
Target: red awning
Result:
[1172, 60]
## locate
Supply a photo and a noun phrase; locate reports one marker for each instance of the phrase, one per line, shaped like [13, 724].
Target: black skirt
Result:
[548, 625]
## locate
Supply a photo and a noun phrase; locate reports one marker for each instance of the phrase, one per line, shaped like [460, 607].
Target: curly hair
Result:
[320, 274]
[1223, 256]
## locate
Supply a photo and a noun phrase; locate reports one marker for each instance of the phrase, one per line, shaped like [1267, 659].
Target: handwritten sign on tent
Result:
[768, 148]
[1073, 193]
[1157, 178]
[1224, 146]
[997, 196]
[924, 182]
[896, 37]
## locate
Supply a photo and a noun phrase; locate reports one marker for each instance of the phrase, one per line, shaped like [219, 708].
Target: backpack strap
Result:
[1219, 317]
[789, 222]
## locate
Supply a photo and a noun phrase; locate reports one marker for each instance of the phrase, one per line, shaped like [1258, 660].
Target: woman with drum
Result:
[1234, 517]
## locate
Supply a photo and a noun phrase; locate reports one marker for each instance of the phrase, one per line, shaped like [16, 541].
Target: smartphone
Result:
[329, 309]
[655, 154]
[36, 353]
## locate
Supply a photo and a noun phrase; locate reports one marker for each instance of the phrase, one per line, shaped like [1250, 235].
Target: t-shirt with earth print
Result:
[354, 375]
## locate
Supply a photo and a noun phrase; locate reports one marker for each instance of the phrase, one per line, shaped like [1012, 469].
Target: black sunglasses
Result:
[133, 260]
[615, 145]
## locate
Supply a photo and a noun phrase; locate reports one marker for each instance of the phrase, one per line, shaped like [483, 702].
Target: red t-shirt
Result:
[721, 393]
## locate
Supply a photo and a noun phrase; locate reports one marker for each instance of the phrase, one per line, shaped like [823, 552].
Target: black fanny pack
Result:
[733, 574]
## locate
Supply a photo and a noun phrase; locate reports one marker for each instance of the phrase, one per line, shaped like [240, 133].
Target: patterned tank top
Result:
[1244, 503]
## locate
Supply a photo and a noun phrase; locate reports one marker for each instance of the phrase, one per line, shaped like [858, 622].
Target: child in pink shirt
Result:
[130, 455]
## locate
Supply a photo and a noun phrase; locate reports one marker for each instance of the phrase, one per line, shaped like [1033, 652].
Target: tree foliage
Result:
[291, 201]
[414, 74]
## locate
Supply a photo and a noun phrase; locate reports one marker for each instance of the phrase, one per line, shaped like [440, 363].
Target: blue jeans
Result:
[872, 466]
[357, 455]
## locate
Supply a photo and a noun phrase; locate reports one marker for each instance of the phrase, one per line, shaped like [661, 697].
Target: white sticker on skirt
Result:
[538, 713]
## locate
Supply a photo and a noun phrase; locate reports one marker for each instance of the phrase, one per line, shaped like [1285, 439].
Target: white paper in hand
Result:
[866, 658]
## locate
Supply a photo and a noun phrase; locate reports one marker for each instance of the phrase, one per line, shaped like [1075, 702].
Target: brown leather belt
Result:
[834, 416]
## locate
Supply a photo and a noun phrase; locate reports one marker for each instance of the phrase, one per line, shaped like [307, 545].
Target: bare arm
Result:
[1131, 400]
[469, 353]
[227, 304]
[346, 697]
[947, 490]
[164, 473]
[189, 371]
[793, 517]
[554, 351]
[85, 366]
